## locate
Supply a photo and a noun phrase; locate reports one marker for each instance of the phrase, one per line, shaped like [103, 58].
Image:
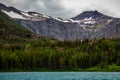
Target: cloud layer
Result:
[66, 8]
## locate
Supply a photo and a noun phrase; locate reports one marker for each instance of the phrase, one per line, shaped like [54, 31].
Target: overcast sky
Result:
[66, 8]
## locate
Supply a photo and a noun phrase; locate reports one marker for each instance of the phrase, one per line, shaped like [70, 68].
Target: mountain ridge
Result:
[87, 25]
[88, 14]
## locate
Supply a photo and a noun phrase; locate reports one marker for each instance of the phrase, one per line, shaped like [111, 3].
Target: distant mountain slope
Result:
[87, 25]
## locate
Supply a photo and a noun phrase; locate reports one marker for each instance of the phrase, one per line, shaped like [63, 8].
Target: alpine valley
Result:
[31, 41]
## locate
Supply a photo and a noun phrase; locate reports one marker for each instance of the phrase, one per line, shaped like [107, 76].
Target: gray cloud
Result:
[48, 7]
[66, 8]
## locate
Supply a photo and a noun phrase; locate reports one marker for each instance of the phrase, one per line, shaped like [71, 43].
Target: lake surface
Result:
[60, 76]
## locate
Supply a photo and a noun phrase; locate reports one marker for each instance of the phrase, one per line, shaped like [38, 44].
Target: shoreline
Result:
[59, 71]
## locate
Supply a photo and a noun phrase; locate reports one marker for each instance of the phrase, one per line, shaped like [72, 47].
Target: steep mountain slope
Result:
[13, 32]
[87, 25]
[55, 29]
[111, 30]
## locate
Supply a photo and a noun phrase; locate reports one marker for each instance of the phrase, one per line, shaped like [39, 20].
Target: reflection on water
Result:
[60, 76]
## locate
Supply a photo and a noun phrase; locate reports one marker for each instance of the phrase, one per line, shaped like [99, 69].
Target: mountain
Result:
[87, 14]
[87, 25]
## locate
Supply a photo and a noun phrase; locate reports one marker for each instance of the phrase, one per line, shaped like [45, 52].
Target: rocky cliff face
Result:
[87, 25]
[55, 29]
[111, 30]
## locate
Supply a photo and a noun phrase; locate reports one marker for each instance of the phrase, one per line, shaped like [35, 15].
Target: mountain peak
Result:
[88, 14]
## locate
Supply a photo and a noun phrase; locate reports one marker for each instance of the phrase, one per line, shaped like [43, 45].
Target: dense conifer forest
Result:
[57, 55]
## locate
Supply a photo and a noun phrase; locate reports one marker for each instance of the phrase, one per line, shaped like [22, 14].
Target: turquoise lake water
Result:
[60, 76]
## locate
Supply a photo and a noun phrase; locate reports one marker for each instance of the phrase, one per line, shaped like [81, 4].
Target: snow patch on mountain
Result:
[90, 18]
[89, 22]
[13, 14]
[46, 16]
[26, 14]
[35, 14]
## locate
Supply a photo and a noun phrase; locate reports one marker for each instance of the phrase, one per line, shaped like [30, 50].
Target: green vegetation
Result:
[52, 55]
[21, 50]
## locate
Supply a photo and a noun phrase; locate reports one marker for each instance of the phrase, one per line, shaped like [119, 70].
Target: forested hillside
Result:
[68, 55]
